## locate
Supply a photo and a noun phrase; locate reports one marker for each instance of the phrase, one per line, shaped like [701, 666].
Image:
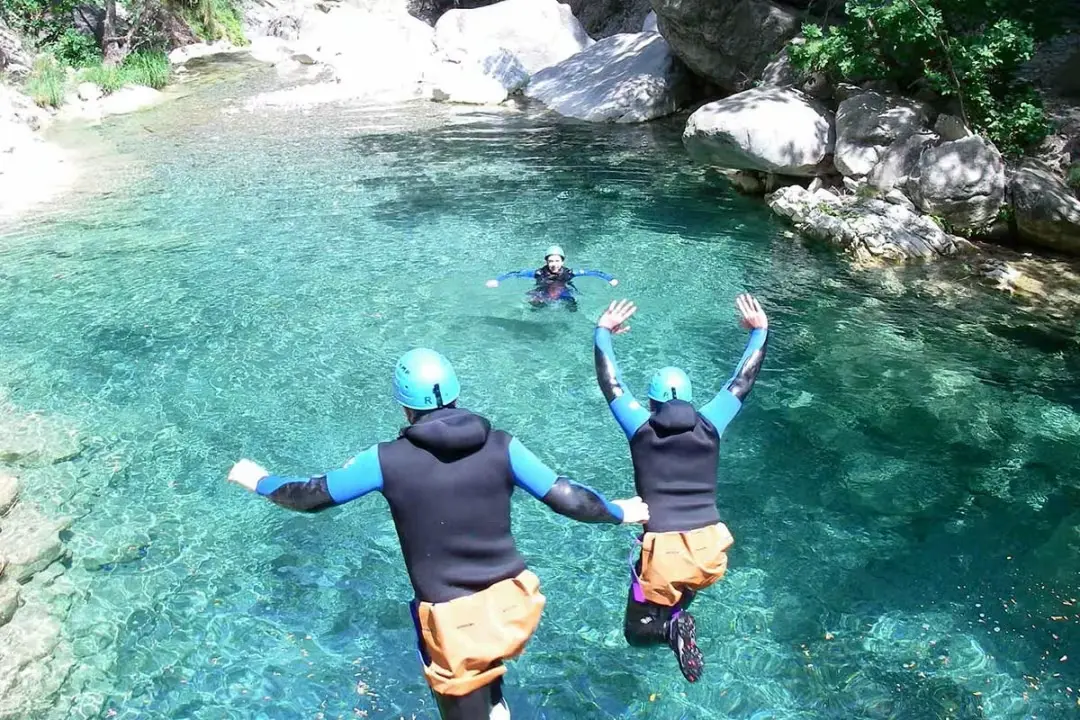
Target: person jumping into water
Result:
[554, 281]
[675, 453]
[448, 478]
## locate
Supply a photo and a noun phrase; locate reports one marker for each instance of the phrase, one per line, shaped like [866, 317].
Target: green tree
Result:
[968, 50]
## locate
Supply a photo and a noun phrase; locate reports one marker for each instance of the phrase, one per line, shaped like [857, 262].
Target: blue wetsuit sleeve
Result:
[527, 274]
[357, 478]
[628, 412]
[559, 493]
[593, 273]
[723, 408]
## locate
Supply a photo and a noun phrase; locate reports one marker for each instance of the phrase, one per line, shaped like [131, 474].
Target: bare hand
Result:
[492, 283]
[247, 474]
[614, 282]
[752, 316]
[618, 312]
[634, 509]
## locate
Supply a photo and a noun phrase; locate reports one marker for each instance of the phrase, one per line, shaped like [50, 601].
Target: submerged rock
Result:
[31, 439]
[29, 542]
[630, 77]
[9, 492]
[9, 601]
[868, 228]
[774, 130]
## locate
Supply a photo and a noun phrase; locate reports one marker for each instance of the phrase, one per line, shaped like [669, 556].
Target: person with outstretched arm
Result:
[554, 281]
[448, 478]
[675, 450]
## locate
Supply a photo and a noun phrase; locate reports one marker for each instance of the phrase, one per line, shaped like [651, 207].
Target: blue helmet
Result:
[425, 380]
[670, 383]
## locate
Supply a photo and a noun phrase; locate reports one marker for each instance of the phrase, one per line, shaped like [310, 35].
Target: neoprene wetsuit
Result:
[448, 479]
[554, 286]
[675, 453]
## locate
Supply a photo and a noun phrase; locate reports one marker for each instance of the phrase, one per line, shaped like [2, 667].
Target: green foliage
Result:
[42, 22]
[968, 50]
[142, 67]
[47, 82]
[76, 49]
[1073, 176]
[212, 20]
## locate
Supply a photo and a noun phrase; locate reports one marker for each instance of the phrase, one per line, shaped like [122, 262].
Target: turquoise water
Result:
[908, 449]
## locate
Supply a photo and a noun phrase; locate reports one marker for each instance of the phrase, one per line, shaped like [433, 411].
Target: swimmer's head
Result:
[554, 258]
[670, 383]
[424, 380]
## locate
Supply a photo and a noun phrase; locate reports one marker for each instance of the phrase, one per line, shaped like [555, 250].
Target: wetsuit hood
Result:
[449, 433]
[674, 416]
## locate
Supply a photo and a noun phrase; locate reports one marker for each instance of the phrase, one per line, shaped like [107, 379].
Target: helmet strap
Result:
[438, 396]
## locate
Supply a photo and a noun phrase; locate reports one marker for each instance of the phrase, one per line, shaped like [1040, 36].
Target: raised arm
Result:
[723, 408]
[357, 478]
[567, 497]
[596, 273]
[628, 412]
[526, 274]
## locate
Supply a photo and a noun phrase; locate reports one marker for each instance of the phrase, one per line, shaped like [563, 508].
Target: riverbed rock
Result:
[34, 661]
[9, 601]
[1059, 556]
[960, 181]
[1046, 210]
[89, 92]
[14, 59]
[775, 130]
[867, 124]
[649, 24]
[33, 439]
[30, 542]
[9, 492]
[870, 229]
[181, 55]
[540, 33]
[625, 78]
[478, 78]
[727, 41]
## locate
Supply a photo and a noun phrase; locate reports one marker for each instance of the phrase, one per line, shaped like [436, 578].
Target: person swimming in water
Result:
[448, 478]
[554, 281]
[675, 451]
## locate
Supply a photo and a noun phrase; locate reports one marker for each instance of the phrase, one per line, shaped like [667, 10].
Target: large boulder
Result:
[13, 58]
[867, 124]
[870, 229]
[774, 130]
[29, 542]
[540, 33]
[962, 182]
[1046, 210]
[381, 55]
[727, 41]
[603, 18]
[897, 163]
[630, 77]
[479, 78]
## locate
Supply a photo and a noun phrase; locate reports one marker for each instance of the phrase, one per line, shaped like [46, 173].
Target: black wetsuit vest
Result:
[545, 278]
[676, 455]
[448, 482]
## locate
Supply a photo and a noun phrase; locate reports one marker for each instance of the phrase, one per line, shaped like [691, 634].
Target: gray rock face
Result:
[1047, 212]
[867, 124]
[898, 162]
[630, 77]
[603, 18]
[962, 181]
[479, 79]
[774, 130]
[870, 229]
[13, 58]
[727, 41]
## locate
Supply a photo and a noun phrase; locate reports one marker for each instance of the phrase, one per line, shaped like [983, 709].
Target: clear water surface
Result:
[891, 485]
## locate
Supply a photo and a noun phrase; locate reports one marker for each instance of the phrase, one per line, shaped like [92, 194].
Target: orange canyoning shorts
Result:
[466, 639]
[672, 562]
